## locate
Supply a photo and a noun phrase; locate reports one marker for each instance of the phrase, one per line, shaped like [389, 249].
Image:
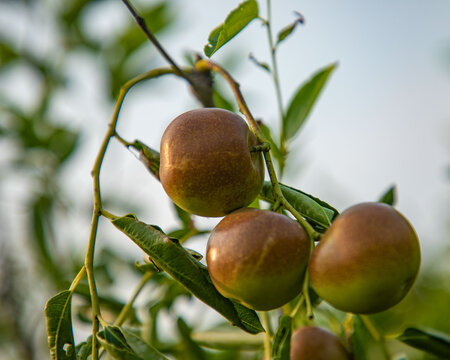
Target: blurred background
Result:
[382, 120]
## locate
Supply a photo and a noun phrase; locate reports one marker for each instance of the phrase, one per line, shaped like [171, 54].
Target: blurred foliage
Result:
[41, 145]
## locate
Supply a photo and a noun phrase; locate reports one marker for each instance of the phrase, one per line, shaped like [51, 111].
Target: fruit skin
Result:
[314, 343]
[206, 165]
[258, 257]
[367, 260]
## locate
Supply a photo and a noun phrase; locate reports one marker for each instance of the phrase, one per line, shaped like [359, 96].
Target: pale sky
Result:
[383, 118]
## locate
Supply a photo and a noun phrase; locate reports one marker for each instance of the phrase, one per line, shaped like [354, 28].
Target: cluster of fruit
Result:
[365, 262]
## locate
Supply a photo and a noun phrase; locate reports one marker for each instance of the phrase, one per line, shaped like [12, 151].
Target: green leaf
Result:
[149, 157]
[389, 197]
[303, 101]
[141, 348]
[170, 256]
[285, 32]
[305, 204]
[281, 345]
[427, 340]
[115, 344]
[236, 20]
[58, 320]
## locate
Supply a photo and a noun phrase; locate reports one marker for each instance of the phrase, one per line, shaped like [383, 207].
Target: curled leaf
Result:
[288, 30]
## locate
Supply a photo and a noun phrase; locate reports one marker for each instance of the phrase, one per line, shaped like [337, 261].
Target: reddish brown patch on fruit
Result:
[367, 261]
[314, 343]
[258, 258]
[206, 165]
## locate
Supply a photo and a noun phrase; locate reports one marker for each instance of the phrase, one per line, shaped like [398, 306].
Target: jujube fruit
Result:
[314, 343]
[367, 260]
[258, 257]
[206, 166]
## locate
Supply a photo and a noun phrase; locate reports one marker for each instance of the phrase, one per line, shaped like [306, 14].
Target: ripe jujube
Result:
[367, 260]
[207, 166]
[258, 257]
[314, 343]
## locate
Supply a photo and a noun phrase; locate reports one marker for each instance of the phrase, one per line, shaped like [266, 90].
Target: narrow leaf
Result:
[170, 256]
[389, 197]
[281, 347]
[59, 326]
[261, 64]
[285, 32]
[306, 205]
[428, 341]
[234, 23]
[141, 348]
[303, 101]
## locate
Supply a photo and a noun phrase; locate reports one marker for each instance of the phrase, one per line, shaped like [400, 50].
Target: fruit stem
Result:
[95, 172]
[267, 334]
[202, 65]
[300, 302]
[122, 140]
[309, 312]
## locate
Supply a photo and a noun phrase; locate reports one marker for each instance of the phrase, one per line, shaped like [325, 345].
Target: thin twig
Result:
[297, 307]
[143, 26]
[309, 312]
[89, 259]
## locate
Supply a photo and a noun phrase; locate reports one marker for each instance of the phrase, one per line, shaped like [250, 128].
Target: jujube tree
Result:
[211, 164]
